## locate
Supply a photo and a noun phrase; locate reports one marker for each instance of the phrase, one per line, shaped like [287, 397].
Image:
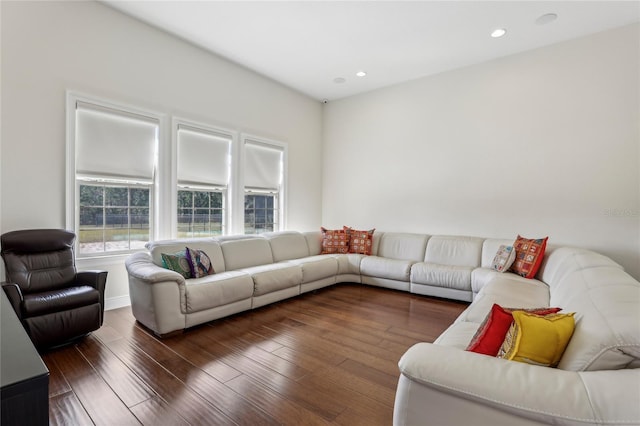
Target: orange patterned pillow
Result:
[529, 255]
[334, 241]
[360, 242]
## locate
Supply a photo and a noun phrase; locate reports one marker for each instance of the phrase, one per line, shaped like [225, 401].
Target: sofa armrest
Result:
[141, 266]
[537, 393]
[14, 294]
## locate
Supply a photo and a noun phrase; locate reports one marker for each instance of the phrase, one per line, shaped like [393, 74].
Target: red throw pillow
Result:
[495, 326]
[360, 242]
[529, 255]
[334, 241]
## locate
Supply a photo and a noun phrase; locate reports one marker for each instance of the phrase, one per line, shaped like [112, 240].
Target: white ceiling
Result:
[307, 44]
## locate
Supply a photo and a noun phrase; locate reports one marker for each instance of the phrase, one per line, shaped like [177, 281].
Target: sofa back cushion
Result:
[454, 250]
[561, 261]
[287, 245]
[208, 245]
[314, 242]
[245, 253]
[607, 334]
[400, 246]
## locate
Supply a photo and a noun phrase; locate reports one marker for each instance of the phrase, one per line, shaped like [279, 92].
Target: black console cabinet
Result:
[24, 377]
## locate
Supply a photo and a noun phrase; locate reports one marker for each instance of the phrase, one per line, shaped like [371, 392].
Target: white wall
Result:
[546, 142]
[50, 47]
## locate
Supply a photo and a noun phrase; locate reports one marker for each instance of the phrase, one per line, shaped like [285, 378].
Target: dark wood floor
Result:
[328, 357]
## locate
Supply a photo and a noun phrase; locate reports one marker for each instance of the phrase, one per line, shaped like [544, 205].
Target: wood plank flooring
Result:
[328, 357]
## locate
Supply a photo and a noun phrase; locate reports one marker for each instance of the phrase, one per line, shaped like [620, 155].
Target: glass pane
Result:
[216, 199]
[249, 202]
[139, 218]
[140, 197]
[91, 195]
[185, 199]
[201, 199]
[139, 237]
[270, 202]
[116, 218]
[116, 239]
[90, 217]
[260, 202]
[116, 196]
[90, 240]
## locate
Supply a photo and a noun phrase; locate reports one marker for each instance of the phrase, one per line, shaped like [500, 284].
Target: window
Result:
[260, 213]
[113, 218]
[112, 164]
[200, 213]
[203, 171]
[263, 186]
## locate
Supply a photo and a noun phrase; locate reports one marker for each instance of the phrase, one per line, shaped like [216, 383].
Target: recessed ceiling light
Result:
[498, 32]
[546, 18]
[339, 80]
[361, 73]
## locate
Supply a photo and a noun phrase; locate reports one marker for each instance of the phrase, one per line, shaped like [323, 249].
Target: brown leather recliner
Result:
[55, 303]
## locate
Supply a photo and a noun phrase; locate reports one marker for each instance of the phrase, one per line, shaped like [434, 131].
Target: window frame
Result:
[72, 190]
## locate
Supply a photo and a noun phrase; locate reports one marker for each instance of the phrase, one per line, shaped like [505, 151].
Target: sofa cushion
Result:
[216, 290]
[449, 276]
[454, 250]
[335, 241]
[245, 253]
[504, 258]
[607, 334]
[348, 264]
[177, 262]
[208, 245]
[361, 242]
[314, 242]
[287, 245]
[491, 333]
[401, 246]
[63, 299]
[563, 260]
[316, 268]
[537, 339]
[273, 277]
[489, 248]
[199, 263]
[529, 255]
[381, 267]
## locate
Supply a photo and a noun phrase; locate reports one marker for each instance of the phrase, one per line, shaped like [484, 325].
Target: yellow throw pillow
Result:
[539, 340]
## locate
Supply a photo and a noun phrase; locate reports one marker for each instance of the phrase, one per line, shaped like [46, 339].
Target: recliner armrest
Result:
[14, 294]
[97, 280]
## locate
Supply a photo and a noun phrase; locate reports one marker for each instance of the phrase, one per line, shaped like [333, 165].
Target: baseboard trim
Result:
[116, 302]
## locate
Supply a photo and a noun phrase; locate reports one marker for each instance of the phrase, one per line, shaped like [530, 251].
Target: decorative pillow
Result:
[334, 241]
[199, 263]
[538, 340]
[360, 241]
[177, 262]
[529, 255]
[495, 326]
[504, 258]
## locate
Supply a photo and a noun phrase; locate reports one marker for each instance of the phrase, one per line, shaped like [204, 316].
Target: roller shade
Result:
[203, 157]
[114, 144]
[263, 166]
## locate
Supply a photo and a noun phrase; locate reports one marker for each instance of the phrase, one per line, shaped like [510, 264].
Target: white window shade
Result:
[262, 166]
[110, 144]
[203, 158]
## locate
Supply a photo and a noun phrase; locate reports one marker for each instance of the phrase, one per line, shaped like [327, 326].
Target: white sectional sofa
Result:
[596, 382]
